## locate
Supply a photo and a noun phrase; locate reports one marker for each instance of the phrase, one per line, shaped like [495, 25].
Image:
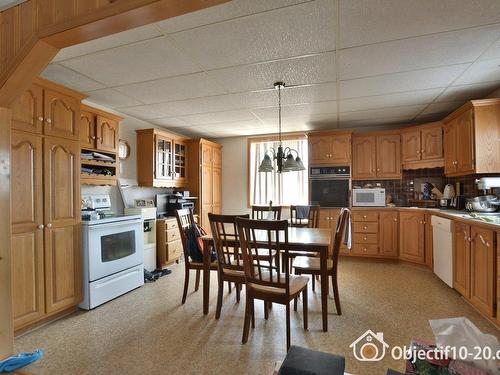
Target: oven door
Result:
[114, 247]
[329, 193]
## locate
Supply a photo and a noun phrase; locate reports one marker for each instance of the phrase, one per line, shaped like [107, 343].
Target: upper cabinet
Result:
[50, 109]
[99, 130]
[422, 146]
[161, 159]
[471, 139]
[376, 156]
[330, 148]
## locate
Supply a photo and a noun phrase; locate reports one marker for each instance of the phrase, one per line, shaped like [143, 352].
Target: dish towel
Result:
[20, 360]
[302, 212]
[348, 232]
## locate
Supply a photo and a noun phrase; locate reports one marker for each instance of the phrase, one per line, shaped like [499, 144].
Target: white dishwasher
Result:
[442, 244]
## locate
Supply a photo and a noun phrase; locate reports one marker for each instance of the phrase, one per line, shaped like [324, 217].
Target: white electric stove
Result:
[113, 252]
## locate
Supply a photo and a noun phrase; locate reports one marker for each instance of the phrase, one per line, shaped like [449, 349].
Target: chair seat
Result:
[213, 265]
[310, 263]
[302, 253]
[235, 272]
[297, 283]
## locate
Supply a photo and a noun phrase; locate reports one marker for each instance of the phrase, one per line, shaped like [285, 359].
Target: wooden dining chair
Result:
[311, 266]
[262, 212]
[185, 219]
[264, 281]
[230, 262]
[312, 220]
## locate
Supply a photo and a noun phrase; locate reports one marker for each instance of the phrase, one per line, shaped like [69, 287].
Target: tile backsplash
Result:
[402, 190]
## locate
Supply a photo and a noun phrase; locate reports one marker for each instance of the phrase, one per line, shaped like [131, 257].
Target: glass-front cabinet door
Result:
[163, 165]
[179, 161]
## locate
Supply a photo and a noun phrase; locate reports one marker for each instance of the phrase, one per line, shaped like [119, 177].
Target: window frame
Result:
[269, 138]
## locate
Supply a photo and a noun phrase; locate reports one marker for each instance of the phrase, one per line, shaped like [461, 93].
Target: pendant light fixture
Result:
[284, 157]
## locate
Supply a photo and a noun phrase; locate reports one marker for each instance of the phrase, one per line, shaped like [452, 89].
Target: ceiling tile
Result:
[407, 112]
[468, 92]
[390, 100]
[445, 107]
[368, 21]
[281, 33]
[70, 78]
[139, 62]
[235, 124]
[216, 117]
[111, 98]
[222, 12]
[400, 82]
[493, 52]
[171, 122]
[296, 71]
[187, 86]
[114, 40]
[480, 71]
[271, 113]
[379, 123]
[416, 53]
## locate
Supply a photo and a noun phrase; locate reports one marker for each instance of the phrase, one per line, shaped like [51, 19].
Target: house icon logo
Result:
[369, 347]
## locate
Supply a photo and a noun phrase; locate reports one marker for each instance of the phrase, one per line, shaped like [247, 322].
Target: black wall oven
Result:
[329, 187]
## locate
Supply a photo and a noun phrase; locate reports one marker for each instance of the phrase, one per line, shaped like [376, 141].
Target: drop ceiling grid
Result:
[356, 95]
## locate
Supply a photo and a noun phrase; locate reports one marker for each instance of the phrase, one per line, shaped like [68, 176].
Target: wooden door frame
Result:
[24, 58]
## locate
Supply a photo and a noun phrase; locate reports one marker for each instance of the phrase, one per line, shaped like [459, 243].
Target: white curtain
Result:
[282, 188]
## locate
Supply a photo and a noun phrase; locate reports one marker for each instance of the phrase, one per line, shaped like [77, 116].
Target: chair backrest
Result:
[226, 241]
[339, 235]
[257, 236]
[262, 212]
[312, 220]
[184, 219]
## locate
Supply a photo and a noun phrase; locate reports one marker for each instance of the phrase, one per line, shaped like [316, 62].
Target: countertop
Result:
[462, 216]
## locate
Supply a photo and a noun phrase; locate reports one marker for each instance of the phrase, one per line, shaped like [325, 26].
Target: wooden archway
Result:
[31, 34]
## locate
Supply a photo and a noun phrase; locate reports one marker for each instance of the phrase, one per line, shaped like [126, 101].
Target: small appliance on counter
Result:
[167, 204]
[487, 203]
[368, 197]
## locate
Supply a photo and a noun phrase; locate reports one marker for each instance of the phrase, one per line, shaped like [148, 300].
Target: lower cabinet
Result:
[474, 265]
[365, 233]
[412, 236]
[328, 218]
[168, 242]
[389, 233]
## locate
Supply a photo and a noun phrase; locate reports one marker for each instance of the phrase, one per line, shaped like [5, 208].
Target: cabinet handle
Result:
[484, 241]
[93, 137]
[421, 151]
[364, 238]
[364, 249]
[41, 226]
[364, 216]
[40, 118]
[48, 120]
[396, 220]
[365, 227]
[49, 225]
[378, 169]
[418, 152]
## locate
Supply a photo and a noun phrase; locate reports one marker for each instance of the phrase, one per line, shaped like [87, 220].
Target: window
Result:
[281, 188]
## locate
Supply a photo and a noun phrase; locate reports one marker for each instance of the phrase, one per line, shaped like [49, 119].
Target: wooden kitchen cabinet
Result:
[389, 233]
[168, 242]
[61, 114]
[376, 156]
[332, 148]
[482, 269]
[27, 255]
[389, 156]
[63, 278]
[461, 258]
[422, 146]
[471, 136]
[474, 265]
[365, 233]
[364, 162]
[99, 130]
[162, 159]
[205, 181]
[27, 110]
[46, 255]
[412, 236]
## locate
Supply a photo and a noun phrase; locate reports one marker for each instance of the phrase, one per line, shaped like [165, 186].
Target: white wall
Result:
[234, 175]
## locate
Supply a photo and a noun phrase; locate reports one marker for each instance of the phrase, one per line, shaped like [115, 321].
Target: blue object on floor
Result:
[20, 360]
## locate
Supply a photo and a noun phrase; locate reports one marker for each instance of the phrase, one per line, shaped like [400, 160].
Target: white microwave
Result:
[372, 197]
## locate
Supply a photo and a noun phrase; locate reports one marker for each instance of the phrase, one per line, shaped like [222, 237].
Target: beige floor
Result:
[148, 330]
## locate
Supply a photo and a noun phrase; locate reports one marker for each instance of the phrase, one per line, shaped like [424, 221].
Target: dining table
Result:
[314, 240]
